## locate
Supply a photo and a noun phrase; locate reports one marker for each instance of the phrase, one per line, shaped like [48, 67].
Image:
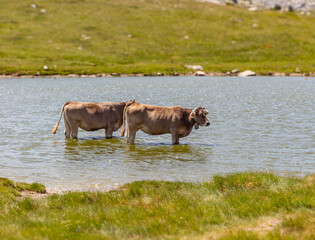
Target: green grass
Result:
[239, 206]
[10, 190]
[126, 37]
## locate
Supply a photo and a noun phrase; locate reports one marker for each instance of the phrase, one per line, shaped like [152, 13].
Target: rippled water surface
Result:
[257, 124]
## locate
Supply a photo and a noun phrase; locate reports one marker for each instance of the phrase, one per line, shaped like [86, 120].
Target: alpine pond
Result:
[260, 124]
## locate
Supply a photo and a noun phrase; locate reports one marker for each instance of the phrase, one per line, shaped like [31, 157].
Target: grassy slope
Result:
[98, 36]
[238, 206]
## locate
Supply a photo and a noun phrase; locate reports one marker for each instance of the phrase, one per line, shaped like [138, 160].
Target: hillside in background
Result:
[150, 37]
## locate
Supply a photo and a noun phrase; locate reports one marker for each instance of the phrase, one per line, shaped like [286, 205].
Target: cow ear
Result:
[206, 112]
[193, 114]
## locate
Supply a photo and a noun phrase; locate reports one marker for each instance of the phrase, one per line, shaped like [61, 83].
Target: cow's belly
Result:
[182, 132]
[89, 127]
[154, 131]
[96, 126]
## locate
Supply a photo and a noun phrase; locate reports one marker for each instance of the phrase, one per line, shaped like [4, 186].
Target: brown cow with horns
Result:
[154, 120]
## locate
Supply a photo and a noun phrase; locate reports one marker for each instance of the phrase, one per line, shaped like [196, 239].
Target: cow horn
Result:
[193, 113]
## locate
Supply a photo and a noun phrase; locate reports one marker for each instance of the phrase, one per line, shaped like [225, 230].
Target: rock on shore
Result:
[247, 73]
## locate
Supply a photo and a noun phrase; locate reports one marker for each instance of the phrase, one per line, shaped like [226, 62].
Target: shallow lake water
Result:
[257, 124]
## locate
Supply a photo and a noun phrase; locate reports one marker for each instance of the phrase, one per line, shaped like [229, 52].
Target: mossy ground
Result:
[128, 37]
[239, 206]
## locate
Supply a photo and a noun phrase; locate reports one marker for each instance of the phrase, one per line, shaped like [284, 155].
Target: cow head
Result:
[199, 114]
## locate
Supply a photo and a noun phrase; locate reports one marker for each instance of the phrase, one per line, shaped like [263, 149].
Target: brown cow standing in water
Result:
[155, 120]
[91, 117]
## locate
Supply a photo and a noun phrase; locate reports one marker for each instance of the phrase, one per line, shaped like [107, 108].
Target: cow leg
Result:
[109, 132]
[175, 139]
[74, 130]
[127, 136]
[131, 136]
[67, 128]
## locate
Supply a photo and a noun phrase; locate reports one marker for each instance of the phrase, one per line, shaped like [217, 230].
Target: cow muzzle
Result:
[206, 124]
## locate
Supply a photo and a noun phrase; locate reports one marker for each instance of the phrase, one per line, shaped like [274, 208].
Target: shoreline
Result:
[189, 74]
[247, 205]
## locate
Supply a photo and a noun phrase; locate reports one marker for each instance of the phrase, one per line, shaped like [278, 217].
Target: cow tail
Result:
[57, 125]
[122, 133]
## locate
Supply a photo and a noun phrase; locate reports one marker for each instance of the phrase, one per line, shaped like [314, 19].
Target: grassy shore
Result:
[150, 37]
[239, 206]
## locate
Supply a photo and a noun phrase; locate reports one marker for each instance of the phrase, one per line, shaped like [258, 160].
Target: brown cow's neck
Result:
[191, 120]
[122, 104]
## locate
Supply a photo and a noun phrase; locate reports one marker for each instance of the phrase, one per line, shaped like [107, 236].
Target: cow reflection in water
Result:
[153, 152]
[87, 148]
[154, 120]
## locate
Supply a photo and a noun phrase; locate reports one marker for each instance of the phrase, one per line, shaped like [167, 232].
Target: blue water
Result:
[257, 124]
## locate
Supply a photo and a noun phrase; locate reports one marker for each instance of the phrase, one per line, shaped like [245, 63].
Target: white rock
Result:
[211, 1]
[253, 9]
[43, 10]
[45, 67]
[235, 71]
[247, 73]
[85, 37]
[200, 73]
[33, 5]
[194, 67]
